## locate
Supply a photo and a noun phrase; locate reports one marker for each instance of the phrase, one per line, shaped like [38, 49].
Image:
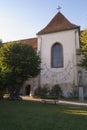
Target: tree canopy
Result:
[18, 62]
[83, 39]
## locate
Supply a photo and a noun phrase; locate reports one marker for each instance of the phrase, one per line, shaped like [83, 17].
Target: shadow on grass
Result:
[28, 115]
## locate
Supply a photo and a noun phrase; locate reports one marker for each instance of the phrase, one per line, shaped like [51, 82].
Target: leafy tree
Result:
[18, 62]
[83, 39]
[1, 86]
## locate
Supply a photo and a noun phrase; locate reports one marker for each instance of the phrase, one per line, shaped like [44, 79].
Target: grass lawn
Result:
[25, 115]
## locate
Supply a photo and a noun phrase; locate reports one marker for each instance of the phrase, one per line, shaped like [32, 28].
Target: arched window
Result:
[57, 55]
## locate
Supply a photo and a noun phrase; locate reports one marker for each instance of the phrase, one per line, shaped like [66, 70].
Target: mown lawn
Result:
[25, 115]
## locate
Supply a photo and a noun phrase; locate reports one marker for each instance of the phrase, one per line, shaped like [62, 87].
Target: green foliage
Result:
[18, 62]
[45, 92]
[41, 92]
[83, 39]
[56, 91]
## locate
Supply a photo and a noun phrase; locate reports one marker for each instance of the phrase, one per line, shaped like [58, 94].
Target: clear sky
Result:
[22, 19]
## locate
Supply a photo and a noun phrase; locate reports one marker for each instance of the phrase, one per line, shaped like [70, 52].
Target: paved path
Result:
[53, 101]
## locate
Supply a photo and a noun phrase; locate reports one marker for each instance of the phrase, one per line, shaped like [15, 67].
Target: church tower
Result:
[57, 45]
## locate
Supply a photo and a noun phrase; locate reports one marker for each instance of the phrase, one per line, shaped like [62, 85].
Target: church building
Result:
[58, 44]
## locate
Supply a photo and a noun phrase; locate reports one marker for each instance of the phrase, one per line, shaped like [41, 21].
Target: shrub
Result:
[56, 92]
[41, 92]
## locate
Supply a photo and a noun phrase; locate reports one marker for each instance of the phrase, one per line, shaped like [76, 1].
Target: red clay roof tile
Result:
[58, 23]
[31, 41]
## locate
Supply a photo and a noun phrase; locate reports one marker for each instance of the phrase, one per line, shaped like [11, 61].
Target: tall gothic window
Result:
[57, 55]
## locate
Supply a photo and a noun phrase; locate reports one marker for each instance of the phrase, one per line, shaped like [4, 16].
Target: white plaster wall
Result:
[33, 82]
[67, 74]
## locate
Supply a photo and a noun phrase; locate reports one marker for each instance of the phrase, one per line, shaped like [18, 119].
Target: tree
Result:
[18, 62]
[83, 39]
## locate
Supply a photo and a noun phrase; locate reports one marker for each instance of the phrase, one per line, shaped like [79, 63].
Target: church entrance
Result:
[27, 90]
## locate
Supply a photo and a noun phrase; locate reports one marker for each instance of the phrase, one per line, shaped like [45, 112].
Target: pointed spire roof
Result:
[58, 23]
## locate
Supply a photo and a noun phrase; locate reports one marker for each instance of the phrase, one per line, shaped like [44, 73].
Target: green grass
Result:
[25, 115]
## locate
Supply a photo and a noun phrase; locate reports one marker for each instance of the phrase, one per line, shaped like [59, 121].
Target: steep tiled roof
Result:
[31, 41]
[58, 23]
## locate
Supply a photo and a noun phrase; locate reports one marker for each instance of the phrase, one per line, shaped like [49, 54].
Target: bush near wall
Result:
[56, 91]
[41, 92]
[45, 92]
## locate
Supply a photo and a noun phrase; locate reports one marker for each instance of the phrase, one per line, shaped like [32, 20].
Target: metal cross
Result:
[59, 8]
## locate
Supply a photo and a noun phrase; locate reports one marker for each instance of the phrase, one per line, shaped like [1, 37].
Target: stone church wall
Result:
[67, 75]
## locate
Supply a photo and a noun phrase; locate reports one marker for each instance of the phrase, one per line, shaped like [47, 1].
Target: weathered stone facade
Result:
[61, 31]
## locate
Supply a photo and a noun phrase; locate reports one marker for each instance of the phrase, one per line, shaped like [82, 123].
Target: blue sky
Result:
[22, 19]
